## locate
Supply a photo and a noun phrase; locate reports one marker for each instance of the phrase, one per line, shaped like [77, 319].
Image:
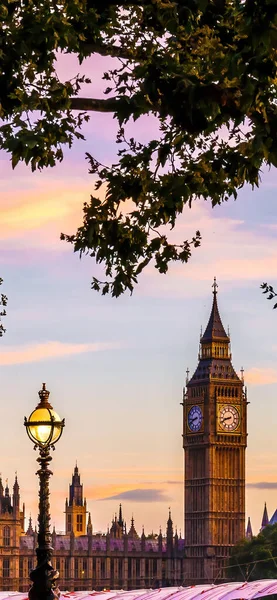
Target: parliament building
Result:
[214, 442]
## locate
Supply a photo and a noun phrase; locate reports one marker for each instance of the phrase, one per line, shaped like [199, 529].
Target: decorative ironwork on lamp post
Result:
[44, 428]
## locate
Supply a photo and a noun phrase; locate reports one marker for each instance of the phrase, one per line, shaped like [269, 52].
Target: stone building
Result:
[214, 438]
[214, 441]
[120, 559]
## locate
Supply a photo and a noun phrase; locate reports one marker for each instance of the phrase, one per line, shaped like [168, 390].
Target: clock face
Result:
[229, 418]
[195, 418]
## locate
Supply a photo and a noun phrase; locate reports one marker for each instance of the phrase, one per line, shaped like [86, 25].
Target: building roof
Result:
[273, 519]
[62, 542]
[215, 368]
[225, 591]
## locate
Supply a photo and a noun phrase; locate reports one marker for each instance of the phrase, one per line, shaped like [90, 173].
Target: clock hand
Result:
[227, 418]
[192, 420]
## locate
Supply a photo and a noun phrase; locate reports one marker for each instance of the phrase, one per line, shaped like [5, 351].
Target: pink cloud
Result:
[261, 376]
[49, 350]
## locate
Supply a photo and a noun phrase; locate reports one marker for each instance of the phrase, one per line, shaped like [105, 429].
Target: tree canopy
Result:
[204, 69]
[3, 304]
[271, 294]
[256, 558]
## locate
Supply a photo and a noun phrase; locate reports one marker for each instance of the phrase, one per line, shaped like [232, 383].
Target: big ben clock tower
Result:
[214, 435]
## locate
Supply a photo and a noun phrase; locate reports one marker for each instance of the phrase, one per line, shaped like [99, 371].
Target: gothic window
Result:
[58, 564]
[21, 568]
[79, 522]
[30, 564]
[7, 536]
[120, 569]
[69, 523]
[76, 568]
[102, 568]
[85, 567]
[6, 567]
[67, 568]
[130, 568]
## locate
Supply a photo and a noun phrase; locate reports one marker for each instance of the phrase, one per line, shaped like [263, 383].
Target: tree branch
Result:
[114, 51]
[95, 104]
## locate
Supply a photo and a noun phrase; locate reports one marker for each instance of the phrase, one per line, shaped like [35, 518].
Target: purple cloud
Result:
[140, 495]
[263, 485]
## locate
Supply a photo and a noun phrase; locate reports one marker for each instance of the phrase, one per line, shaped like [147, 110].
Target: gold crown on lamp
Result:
[44, 395]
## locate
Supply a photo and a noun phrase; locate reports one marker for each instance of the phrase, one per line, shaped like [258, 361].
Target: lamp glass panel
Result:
[57, 426]
[44, 431]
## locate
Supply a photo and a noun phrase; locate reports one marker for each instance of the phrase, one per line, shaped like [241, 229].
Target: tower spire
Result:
[249, 533]
[214, 330]
[265, 519]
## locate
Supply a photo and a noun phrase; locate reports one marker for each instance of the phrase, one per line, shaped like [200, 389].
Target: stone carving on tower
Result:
[214, 440]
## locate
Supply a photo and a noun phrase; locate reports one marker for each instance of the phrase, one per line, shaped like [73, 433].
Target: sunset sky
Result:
[116, 368]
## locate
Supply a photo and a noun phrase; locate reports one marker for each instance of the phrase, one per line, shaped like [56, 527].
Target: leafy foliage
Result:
[256, 558]
[3, 304]
[268, 289]
[205, 70]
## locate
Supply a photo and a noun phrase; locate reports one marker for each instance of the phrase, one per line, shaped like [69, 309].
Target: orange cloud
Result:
[38, 209]
[263, 376]
[13, 355]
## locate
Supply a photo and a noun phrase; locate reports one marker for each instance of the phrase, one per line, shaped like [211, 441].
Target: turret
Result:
[76, 489]
[89, 526]
[6, 504]
[160, 541]
[16, 497]
[143, 540]
[169, 534]
[75, 507]
[30, 530]
[265, 519]
[120, 518]
[176, 541]
[249, 533]
[132, 534]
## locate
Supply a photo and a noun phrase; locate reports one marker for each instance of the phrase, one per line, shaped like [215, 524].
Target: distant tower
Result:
[75, 507]
[214, 437]
[249, 532]
[169, 534]
[265, 519]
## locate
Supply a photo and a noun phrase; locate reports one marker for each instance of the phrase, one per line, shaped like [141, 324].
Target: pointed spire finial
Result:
[187, 377]
[242, 374]
[214, 286]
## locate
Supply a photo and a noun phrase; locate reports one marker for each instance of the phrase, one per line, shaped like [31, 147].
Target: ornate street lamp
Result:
[44, 428]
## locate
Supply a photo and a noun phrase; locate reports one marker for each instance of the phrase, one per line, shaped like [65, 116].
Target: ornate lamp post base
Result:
[44, 578]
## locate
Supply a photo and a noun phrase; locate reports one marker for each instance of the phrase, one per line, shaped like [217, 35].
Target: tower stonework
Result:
[214, 440]
[75, 507]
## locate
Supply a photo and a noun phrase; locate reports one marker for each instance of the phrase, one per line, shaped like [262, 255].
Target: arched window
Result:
[6, 536]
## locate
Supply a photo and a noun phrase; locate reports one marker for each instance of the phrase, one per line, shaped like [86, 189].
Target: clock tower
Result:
[214, 439]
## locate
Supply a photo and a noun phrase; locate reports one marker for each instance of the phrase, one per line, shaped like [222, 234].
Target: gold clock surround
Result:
[220, 429]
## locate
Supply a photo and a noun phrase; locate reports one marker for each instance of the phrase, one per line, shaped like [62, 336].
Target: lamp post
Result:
[44, 428]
